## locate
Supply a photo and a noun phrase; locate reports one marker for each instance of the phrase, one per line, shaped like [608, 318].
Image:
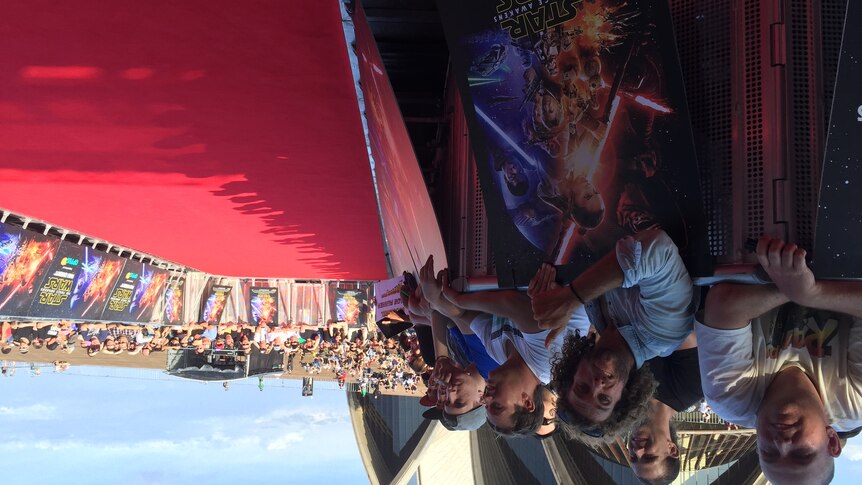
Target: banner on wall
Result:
[24, 260]
[173, 309]
[350, 306]
[579, 126]
[214, 305]
[78, 283]
[150, 287]
[387, 297]
[263, 306]
[119, 305]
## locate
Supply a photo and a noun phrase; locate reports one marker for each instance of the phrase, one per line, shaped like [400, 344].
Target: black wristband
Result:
[576, 294]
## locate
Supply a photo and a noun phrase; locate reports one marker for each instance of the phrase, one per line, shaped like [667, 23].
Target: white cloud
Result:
[208, 443]
[31, 412]
[283, 442]
[303, 417]
[853, 452]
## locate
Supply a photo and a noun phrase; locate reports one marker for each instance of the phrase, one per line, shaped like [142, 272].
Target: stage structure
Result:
[222, 365]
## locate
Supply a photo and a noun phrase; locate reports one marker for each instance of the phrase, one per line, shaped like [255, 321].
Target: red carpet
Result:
[220, 135]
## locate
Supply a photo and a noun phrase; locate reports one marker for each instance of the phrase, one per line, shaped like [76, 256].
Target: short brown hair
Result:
[524, 422]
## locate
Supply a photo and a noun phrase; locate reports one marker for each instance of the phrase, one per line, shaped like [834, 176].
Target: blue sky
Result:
[134, 426]
[848, 467]
[103, 425]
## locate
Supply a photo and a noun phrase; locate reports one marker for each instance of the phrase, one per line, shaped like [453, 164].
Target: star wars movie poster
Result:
[119, 306]
[214, 305]
[77, 284]
[579, 126]
[263, 306]
[350, 306]
[839, 218]
[24, 259]
[151, 284]
[173, 310]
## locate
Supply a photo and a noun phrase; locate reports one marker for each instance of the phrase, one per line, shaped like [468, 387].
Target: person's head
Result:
[547, 112]
[464, 392]
[588, 207]
[110, 344]
[24, 345]
[94, 348]
[513, 398]
[52, 344]
[795, 441]
[513, 174]
[38, 343]
[653, 449]
[6, 349]
[600, 392]
[548, 427]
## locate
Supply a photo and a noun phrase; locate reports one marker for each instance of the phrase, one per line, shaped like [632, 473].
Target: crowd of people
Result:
[358, 355]
[619, 350]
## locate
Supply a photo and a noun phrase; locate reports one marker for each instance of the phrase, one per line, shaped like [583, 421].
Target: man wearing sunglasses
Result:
[786, 359]
[641, 300]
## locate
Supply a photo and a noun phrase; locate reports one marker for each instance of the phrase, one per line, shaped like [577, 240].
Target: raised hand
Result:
[552, 304]
[431, 288]
[418, 305]
[785, 264]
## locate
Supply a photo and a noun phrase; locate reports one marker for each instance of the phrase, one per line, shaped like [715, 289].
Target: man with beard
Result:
[641, 300]
[652, 444]
[785, 358]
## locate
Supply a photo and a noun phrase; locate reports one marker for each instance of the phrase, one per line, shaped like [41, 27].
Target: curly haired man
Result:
[641, 300]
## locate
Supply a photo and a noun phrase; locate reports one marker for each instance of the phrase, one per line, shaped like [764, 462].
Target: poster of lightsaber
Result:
[579, 128]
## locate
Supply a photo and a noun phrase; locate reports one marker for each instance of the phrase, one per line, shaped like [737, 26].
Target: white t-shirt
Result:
[737, 366]
[494, 332]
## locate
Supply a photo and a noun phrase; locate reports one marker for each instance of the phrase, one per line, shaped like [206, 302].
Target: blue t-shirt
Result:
[472, 349]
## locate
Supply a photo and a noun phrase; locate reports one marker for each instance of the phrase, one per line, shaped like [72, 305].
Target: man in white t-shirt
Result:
[786, 359]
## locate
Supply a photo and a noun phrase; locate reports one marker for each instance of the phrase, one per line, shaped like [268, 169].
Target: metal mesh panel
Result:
[480, 254]
[832, 13]
[704, 42]
[753, 82]
[805, 146]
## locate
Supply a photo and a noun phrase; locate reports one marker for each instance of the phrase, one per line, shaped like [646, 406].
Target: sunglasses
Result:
[592, 431]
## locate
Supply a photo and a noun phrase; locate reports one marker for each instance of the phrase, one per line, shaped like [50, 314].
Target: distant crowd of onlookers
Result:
[356, 354]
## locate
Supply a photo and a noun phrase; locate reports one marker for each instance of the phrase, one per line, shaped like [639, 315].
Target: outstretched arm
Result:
[511, 304]
[731, 306]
